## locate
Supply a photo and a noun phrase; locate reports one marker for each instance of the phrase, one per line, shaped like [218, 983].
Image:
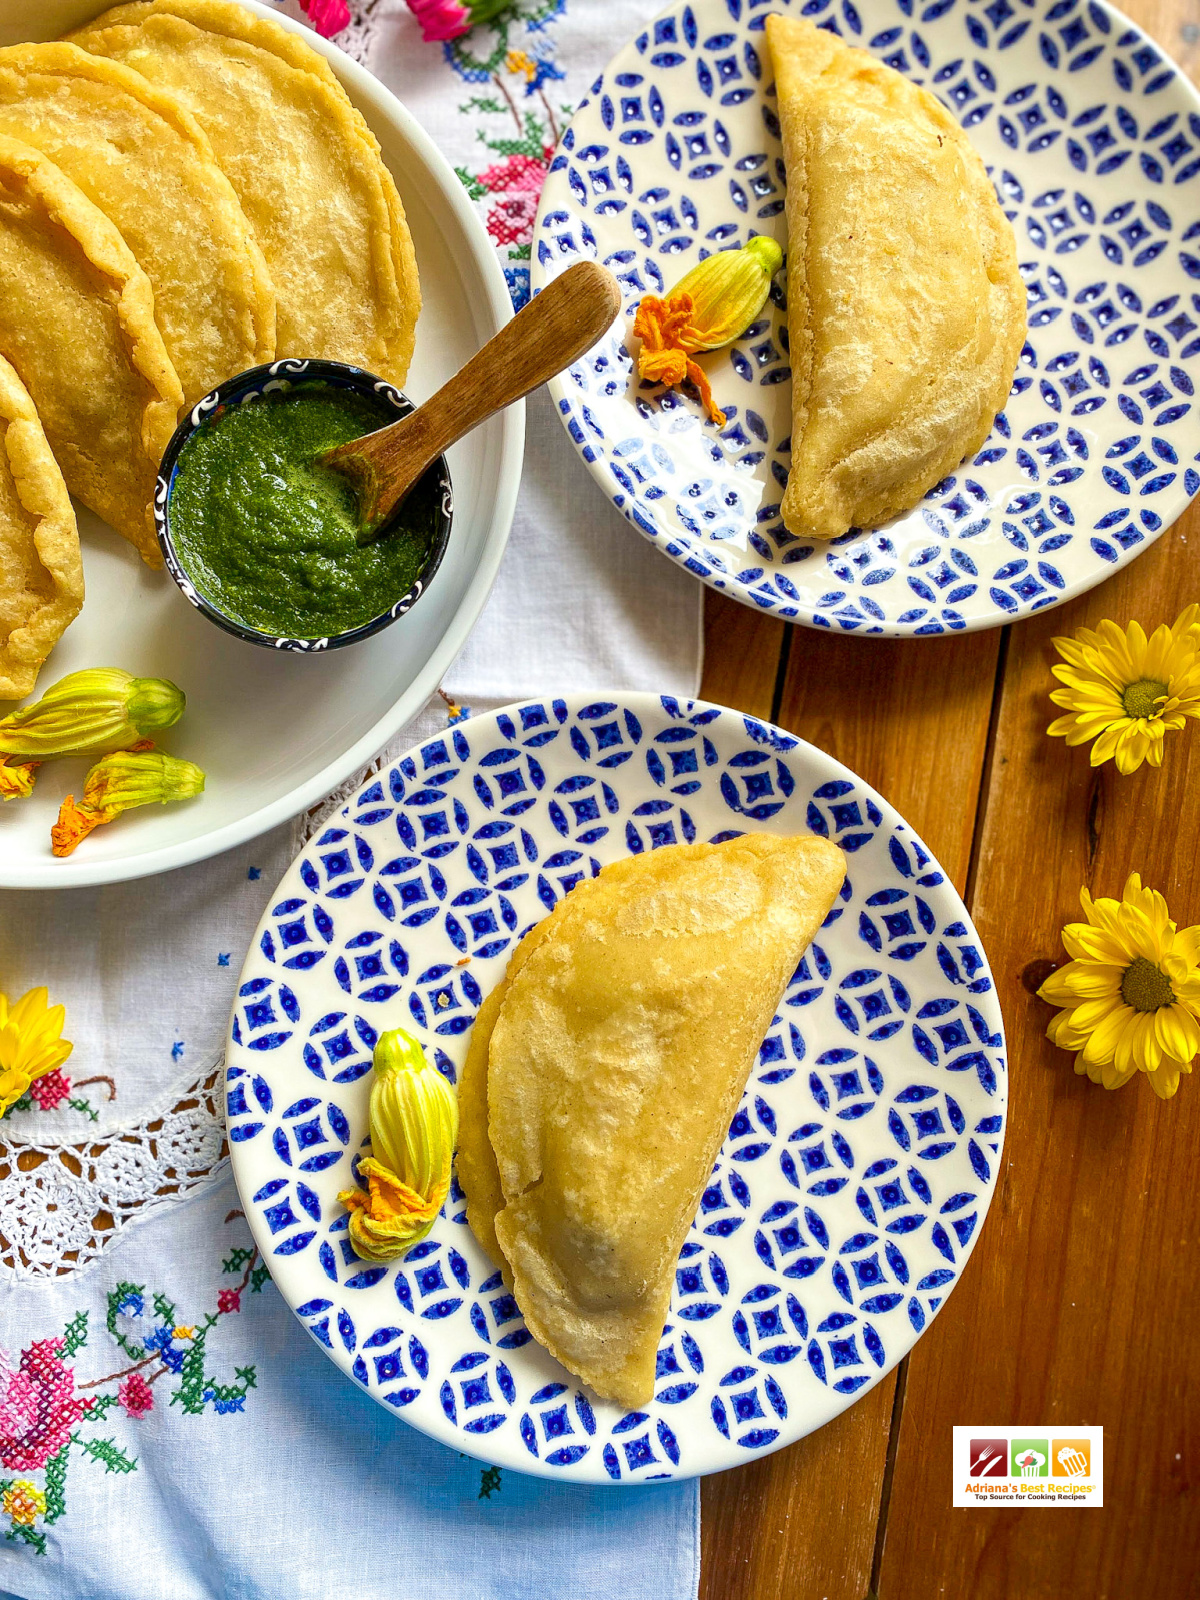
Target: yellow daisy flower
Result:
[1131, 992]
[30, 1043]
[1126, 691]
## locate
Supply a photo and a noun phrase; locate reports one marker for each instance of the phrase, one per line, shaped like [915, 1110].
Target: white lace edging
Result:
[62, 1205]
[358, 37]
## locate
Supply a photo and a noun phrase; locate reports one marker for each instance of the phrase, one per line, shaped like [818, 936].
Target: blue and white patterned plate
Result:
[1093, 141]
[857, 1169]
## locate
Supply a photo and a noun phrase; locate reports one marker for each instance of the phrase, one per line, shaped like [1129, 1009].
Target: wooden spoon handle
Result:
[554, 329]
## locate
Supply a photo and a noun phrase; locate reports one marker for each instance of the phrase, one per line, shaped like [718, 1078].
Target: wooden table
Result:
[1081, 1302]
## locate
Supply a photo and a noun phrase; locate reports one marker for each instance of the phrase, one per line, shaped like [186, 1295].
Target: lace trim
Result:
[359, 37]
[62, 1205]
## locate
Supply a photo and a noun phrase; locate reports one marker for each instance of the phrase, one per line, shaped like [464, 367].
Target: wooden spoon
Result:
[554, 329]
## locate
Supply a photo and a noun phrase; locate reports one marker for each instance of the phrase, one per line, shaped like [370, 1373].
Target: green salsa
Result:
[267, 535]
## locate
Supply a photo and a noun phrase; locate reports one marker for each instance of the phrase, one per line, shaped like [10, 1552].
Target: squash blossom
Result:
[128, 778]
[711, 305]
[414, 1128]
[17, 780]
[89, 713]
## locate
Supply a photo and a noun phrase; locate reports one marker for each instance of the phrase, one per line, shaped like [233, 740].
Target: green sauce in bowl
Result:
[267, 535]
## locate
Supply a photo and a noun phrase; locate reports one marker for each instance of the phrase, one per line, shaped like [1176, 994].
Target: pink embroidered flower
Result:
[440, 19]
[229, 1300]
[327, 16]
[511, 220]
[38, 1406]
[135, 1396]
[49, 1090]
[515, 174]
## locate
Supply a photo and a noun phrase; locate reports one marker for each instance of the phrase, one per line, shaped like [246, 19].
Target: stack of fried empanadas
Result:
[603, 1073]
[906, 311]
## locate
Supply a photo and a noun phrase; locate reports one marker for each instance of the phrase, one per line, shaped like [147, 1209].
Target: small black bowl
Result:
[273, 378]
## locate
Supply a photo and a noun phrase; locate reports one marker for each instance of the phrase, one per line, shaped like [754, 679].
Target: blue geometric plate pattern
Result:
[857, 1169]
[1092, 139]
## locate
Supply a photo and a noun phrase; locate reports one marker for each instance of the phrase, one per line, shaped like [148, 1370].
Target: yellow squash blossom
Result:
[1128, 692]
[17, 779]
[1130, 993]
[85, 713]
[414, 1128]
[711, 305]
[30, 1044]
[142, 776]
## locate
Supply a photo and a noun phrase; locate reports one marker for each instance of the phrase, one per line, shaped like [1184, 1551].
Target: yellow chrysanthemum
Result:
[1131, 992]
[30, 1043]
[1128, 692]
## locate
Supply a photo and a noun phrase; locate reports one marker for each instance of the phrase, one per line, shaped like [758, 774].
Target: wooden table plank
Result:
[742, 653]
[912, 719]
[1079, 1305]
[1045, 1325]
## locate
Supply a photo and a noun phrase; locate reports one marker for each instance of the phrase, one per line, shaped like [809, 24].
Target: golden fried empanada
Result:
[142, 158]
[906, 311]
[41, 573]
[619, 1050]
[77, 323]
[306, 169]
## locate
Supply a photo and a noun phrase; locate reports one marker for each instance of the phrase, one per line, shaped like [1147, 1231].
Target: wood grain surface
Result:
[1080, 1304]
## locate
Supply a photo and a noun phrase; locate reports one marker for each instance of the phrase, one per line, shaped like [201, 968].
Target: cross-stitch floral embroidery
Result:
[509, 189]
[45, 1415]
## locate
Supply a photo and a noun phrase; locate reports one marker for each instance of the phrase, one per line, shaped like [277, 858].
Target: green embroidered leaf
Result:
[103, 1403]
[56, 1482]
[116, 1297]
[75, 1334]
[483, 103]
[109, 1453]
[29, 1535]
[84, 1105]
[237, 1260]
[164, 1308]
[520, 252]
[192, 1382]
[258, 1277]
[474, 188]
[489, 1483]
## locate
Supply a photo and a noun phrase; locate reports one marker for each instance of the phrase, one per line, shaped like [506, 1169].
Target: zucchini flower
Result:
[128, 778]
[414, 1128]
[17, 780]
[89, 713]
[711, 305]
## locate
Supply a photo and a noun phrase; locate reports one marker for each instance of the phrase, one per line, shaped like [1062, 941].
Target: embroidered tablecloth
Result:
[166, 1427]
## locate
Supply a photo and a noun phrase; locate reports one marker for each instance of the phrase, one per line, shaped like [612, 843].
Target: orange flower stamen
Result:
[668, 336]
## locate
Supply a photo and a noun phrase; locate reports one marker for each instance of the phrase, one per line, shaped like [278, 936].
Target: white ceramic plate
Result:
[276, 732]
[1093, 141]
[857, 1169]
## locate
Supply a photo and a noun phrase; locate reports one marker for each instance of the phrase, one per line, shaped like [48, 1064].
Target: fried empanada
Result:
[77, 323]
[41, 573]
[620, 1049]
[475, 1159]
[142, 158]
[306, 169]
[906, 310]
